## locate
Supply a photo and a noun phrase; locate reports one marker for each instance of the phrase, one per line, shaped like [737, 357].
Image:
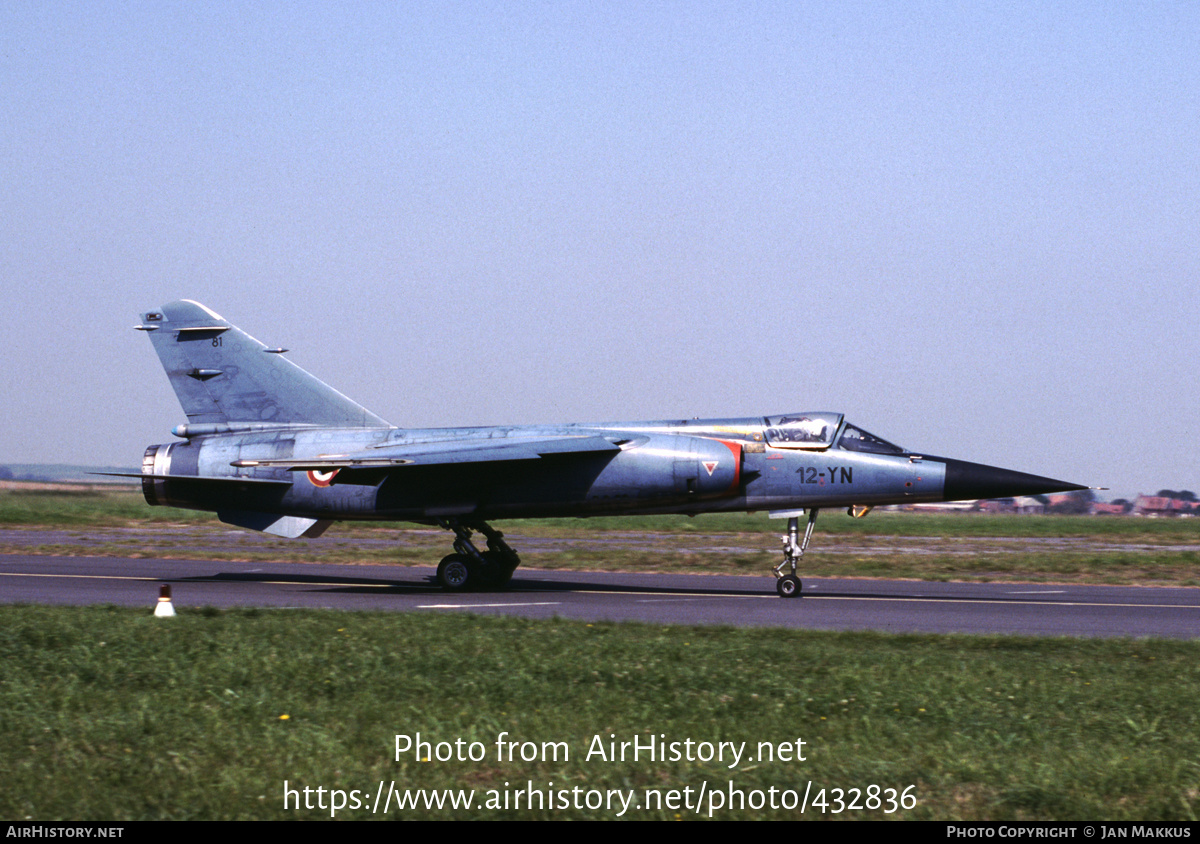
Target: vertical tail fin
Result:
[222, 374]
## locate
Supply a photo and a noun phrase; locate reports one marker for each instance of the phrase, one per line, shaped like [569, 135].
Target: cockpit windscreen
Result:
[856, 439]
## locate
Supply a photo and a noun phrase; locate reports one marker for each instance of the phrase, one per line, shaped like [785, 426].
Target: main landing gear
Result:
[788, 585]
[470, 568]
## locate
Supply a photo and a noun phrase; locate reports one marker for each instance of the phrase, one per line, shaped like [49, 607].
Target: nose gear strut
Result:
[788, 585]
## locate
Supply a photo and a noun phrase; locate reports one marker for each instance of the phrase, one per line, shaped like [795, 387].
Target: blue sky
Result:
[970, 227]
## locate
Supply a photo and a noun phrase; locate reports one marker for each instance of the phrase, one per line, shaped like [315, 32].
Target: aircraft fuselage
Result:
[692, 467]
[269, 447]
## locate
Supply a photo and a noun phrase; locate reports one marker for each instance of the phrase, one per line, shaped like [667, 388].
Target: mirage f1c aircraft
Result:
[271, 448]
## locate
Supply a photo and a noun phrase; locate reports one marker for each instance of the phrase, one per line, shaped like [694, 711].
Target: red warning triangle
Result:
[710, 465]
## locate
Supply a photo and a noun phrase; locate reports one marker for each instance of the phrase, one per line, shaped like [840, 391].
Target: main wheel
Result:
[500, 568]
[455, 574]
[788, 586]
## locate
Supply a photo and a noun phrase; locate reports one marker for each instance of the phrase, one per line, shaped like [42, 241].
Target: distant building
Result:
[934, 507]
[1028, 505]
[1156, 506]
[1023, 505]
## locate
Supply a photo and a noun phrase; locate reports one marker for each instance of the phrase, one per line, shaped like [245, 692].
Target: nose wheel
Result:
[788, 585]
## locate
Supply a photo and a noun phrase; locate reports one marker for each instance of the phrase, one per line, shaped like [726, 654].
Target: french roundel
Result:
[322, 479]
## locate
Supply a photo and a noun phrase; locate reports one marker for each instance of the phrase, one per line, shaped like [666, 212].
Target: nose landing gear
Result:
[788, 585]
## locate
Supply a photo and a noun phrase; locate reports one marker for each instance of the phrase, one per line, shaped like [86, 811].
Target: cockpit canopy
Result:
[818, 431]
[802, 430]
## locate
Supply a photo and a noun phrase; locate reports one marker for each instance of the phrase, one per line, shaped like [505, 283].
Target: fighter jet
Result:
[269, 447]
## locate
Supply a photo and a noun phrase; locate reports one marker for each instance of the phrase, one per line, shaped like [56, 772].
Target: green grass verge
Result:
[112, 714]
[921, 546]
[124, 505]
[73, 506]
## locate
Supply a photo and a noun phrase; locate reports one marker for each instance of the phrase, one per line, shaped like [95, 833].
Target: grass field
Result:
[108, 713]
[112, 714]
[79, 506]
[964, 546]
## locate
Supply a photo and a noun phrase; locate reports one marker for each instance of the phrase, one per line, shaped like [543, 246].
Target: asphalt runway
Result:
[739, 601]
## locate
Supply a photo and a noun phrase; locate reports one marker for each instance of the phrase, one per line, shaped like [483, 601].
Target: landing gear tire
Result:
[468, 567]
[788, 586]
[456, 574]
[499, 572]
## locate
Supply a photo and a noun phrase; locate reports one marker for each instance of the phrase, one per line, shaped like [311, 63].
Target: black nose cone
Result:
[968, 481]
